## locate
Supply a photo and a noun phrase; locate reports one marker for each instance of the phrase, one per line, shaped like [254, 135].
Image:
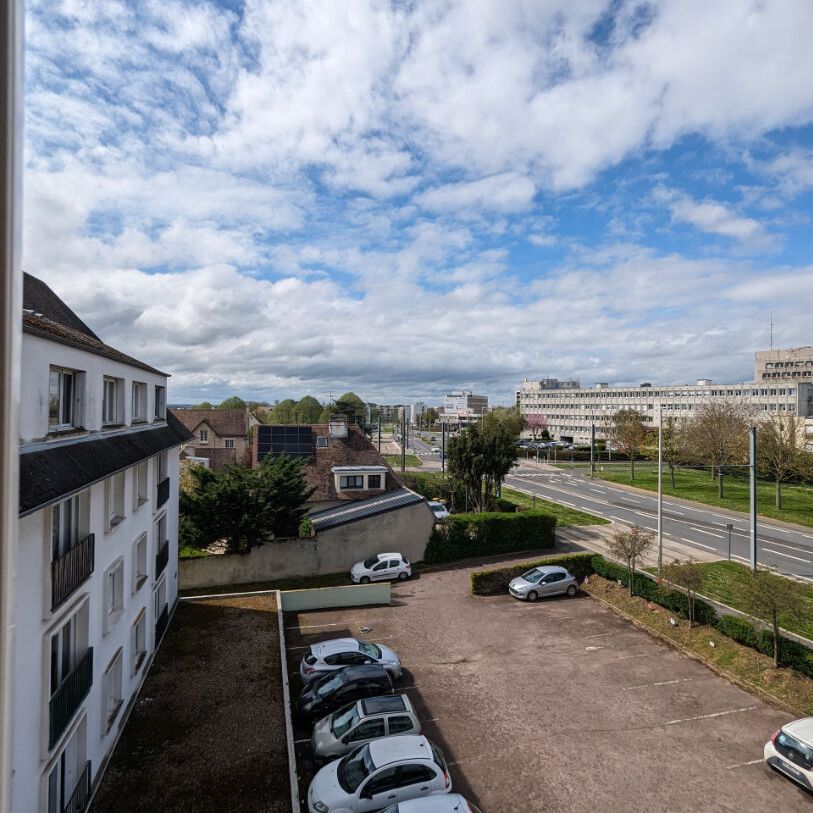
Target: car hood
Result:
[322, 737]
[325, 787]
[519, 583]
[388, 655]
[358, 568]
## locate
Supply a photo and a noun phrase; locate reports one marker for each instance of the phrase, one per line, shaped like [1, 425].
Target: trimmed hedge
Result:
[465, 535]
[493, 582]
[505, 506]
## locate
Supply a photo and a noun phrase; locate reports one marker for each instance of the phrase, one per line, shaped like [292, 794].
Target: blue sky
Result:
[280, 198]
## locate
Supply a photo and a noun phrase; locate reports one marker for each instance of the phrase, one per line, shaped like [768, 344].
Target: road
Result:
[699, 527]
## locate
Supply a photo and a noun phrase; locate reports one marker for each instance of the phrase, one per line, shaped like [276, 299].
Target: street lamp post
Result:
[729, 528]
[752, 448]
[660, 488]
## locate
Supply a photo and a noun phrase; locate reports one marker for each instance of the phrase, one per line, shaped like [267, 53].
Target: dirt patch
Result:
[207, 732]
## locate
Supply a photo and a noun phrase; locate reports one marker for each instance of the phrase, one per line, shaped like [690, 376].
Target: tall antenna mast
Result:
[771, 330]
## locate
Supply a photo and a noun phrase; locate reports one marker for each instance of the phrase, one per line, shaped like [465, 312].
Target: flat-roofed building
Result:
[793, 364]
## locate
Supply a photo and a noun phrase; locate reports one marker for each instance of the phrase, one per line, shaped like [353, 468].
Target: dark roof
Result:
[50, 318]
[50, 472]
[361, 509]
[224, 422]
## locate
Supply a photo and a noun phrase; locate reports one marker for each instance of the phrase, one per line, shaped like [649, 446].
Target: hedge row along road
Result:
[789, 550]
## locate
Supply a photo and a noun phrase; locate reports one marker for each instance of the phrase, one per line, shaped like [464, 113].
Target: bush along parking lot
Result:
[495, 581]
[465, 535]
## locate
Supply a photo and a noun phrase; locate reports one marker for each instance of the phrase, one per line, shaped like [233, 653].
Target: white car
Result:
[436, 450]
[381, 567]
[451, 803]
[440, 511]
[790, 750]
[328, 656]
[380, 774]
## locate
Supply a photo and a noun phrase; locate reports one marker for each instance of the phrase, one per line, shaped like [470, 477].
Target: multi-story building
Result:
[415, 412]
[461, 406]
[220, 436]
[96, 572]
[794, 364]
[571, 412]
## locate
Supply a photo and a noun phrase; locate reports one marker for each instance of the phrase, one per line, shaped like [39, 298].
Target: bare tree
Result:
[630, 547]
[718, 434]
[768, 596]
[629, 434]
[674, 446]
[689, 577]
[782, 455]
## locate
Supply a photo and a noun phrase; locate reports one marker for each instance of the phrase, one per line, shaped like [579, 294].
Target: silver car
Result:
[539, 582]
[362, 721]
[328, 656]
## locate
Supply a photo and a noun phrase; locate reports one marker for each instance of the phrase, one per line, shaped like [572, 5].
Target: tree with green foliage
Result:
[203, 405]
[429, 417]
[629, 434]
[324, 416]
[233, 402]
[308, 410]
[689, 577]
[768, 596]
[674, 446]
[352, 406]
[243, 506]
[283, 413]
[782, 452]
[630, 547]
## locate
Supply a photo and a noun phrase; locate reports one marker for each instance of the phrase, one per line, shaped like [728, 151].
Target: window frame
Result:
[141, 569]
[141, 477]
[114, 487]
[74, 400]
[160, 403]
[228, 443]
[113, 588]
[138, 396]
[112, 386]
[138, 655]
[113, 676]
[203, 436]
[345, 484]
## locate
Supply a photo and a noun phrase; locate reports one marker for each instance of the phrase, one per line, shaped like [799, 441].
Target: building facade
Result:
[97, 556]
[219, 436]
[794, 364]
[461, 406]
[571, 412]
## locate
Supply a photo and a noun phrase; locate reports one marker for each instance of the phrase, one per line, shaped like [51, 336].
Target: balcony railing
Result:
[66, 699]
[78, 801]
[161, 625]
[161, 559]
[71, 569]
[163, 492]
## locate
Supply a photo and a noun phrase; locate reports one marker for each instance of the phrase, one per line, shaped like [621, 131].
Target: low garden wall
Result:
[353, 595]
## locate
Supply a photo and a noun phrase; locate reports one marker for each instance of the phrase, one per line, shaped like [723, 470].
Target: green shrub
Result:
[739, 630]
[505, 506]
[465, 535]
[792, 654]
[430, 485]
[495, 581]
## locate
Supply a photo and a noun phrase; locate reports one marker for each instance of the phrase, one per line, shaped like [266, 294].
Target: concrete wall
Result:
[353, 595]
[405, 530]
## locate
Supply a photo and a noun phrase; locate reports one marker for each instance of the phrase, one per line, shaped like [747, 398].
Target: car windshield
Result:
[370, 650]
[438, 755]
[795, 750]
[343, 720]
[354, 769]
[532, 575]
[368, 563]
[329, 684]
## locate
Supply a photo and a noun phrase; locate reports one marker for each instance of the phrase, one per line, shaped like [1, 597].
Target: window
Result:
[113, 594]
[204, 436]
[64, 394]
[139, 562]
[138, 404]
[383, 781]
[321, 442]
[412, 774]
[112, 401]
[351, 481]
[140, 474]
[67, 771]
[368, 730]
[112, 691]
[114, 499]
[68, 645]
[138, 641]
[161, 531]
[228, 443]
[400, 724]
[64, 527]
[162, 467]
[160, 403]
[374, 481]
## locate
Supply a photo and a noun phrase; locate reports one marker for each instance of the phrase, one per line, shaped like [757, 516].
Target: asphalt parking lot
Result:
[561, 705]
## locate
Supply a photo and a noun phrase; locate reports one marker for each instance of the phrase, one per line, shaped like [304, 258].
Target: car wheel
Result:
[402, 576]
[365, 579]
[532, 596]
[571, 591]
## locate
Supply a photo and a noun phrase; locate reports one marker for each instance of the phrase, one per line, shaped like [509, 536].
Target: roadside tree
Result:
[768, 596]
[233, 402]
[628, 433]
[674, 446]
[782, 455]
[283, 413]
[688, 576]
[308, 410]
[630, 547]
[353, 407]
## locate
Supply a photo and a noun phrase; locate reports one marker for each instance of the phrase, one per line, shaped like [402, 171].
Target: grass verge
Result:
[188, 552]
[747, 667]
[394, 461]
[564, 515]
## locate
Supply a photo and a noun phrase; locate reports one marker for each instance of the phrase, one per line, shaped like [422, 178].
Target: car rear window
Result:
[795, 750]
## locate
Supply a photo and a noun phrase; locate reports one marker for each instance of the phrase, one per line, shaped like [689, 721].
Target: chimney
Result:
[337, 428]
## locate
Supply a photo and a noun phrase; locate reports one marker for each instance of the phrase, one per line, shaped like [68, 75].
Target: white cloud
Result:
[506, 192]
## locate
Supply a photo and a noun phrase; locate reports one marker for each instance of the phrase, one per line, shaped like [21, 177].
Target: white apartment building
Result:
[463, 406]
[572, 411]
[97, 558]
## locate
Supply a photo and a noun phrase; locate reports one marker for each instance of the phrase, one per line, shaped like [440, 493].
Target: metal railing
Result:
[78, 801]
[161, 625]
[71, 569]
[161, 558]
[162, 492]
[66, 699]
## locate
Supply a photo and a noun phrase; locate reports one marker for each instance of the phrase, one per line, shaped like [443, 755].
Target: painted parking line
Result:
[743, 764]
[786, 555]
[657, 683]
[710, 716]
[314, 626]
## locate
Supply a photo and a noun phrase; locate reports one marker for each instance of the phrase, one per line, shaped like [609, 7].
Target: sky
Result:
[276, 198]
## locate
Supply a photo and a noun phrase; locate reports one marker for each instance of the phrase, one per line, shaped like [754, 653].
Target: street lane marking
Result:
[743, 764]
[786, 555]
[565, 502]
[619, 519]
[708, 533]
[709, 716]
[700, 545]
[658, 683]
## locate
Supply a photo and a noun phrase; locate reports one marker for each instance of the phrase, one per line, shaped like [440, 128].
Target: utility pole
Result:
[592, 450]
[403, 440]
[660, 488]
[443, 448]
[379, 433]
[729, 528]
[752, 448]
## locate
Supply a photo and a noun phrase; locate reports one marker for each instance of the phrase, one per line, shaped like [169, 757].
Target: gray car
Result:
[539, 582]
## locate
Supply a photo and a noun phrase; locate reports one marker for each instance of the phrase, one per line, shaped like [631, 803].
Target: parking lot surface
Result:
[561, 705]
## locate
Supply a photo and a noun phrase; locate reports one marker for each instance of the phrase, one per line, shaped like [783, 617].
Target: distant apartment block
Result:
[463, 406]
[795, 364]
[571, 411]
[96, 571]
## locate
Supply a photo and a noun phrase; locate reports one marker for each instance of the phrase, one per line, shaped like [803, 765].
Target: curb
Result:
[293, 777]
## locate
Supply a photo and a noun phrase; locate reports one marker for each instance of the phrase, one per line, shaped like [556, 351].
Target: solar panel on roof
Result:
[293, 441]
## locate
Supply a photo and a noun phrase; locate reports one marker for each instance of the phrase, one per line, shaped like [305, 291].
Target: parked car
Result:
[381, 567]
[383, 772]
[790, 750]
[328, 656]
[436, 450]
[440, 511]
[341, 687]
[450, 803]
[549, 580]
[363, 721]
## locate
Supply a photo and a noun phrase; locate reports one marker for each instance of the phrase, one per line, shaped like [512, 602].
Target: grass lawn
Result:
[564, 515]
[797, 500]
[188, 552]
[750, 667]
[394, 460]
